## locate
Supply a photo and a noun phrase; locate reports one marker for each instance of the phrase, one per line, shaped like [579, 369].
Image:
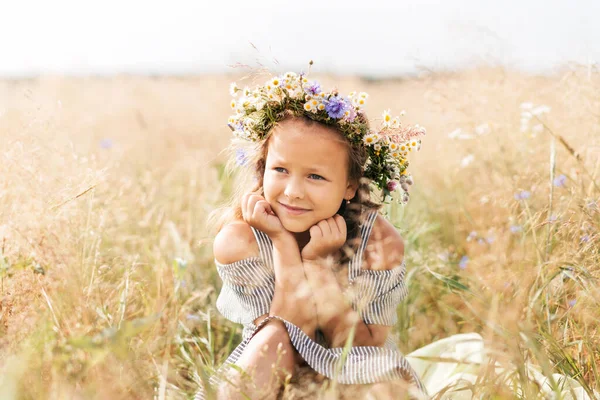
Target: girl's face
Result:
[306, 174]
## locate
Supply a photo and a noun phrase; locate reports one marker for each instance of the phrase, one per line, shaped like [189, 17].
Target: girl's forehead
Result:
[308, 145]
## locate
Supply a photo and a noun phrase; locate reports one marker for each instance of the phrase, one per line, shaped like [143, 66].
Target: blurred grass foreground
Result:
[107, 283]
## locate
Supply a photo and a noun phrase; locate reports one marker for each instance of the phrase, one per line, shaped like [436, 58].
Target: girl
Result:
[308, 265]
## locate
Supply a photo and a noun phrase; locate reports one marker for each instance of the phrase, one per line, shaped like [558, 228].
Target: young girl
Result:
[309, 267]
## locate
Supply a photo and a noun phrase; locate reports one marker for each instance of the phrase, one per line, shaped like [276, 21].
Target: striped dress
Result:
[248, 287]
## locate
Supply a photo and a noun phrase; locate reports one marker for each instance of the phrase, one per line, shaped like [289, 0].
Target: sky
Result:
[367, 37]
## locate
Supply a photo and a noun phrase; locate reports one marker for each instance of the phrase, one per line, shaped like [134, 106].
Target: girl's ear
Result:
[351, 190]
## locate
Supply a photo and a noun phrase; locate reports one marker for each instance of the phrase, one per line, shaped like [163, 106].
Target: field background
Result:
[107, 280]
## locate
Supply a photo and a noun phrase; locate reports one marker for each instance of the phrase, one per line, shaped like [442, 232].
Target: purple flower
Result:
[516, 228]
[585, 239]
[560, 181]
[462, 264]
[472, 235]
[522, 195]
[552, 218]
[392, 185]
[572, 302]
[240, 157]
[313, 88]
[106, 143]
[336, 107]
[490, 239]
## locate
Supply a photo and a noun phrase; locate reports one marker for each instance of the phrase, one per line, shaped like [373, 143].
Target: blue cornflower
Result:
[336, 107]
[240, 157]
[560, 181]
[522, 195]
[516, 228]
[313, 88]
[585, 239]
[572, 302]
[106, 143]
[462, 264]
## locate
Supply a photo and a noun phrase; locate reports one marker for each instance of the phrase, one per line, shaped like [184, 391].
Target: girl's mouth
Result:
[294, 210]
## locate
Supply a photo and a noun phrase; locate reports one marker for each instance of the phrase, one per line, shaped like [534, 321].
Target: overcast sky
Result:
[370, 37]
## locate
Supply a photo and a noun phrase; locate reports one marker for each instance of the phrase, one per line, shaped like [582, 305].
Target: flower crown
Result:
[259, 109]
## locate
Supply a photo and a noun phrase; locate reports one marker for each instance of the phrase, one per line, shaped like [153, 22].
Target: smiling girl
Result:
[308, 265]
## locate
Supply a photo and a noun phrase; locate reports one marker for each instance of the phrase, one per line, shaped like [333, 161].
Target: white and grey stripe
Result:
[248, 287]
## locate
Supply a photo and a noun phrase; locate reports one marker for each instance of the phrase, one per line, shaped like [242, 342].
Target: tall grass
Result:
[107, 280]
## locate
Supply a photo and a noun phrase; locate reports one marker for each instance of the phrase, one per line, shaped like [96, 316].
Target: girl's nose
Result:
[294, 189]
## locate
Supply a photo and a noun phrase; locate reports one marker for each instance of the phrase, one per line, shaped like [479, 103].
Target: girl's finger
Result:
[325, 228]
[315, 232]
[341, 225]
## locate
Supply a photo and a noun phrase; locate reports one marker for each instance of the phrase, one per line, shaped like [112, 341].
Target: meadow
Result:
[107, 280]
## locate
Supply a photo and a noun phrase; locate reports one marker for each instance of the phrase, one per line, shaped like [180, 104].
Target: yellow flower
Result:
[232, 104]
[403, 147]
[395, 154]
[276, 82]
[393, 146]
[371, 139]
[308, 106]
[387, 118]
[361, 102]
[321, 106]
[314, 102]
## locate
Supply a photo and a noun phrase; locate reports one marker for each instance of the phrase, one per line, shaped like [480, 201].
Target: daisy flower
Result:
[387, 118]
[371, 139]
[233, 89]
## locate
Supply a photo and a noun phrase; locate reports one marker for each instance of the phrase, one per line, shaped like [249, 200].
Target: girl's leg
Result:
[267, 359]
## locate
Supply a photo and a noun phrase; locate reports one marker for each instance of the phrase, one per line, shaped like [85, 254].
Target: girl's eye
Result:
[279, 169]
[317, 177]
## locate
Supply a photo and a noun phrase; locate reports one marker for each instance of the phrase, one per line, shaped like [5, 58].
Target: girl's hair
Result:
[251, 179]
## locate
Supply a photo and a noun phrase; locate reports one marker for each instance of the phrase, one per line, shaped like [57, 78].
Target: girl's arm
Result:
[292, 298]
[335, 314]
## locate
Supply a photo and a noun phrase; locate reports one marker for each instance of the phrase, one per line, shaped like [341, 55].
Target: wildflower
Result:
[233, 89]
[377, 147]
[240, 157]
[472, 235]
[490, 239]
[462, 264]
[482, 129]
[276, 82]
[584, 239]
[387, 118]
[560, 181]
[336, 107]
[465, 162]
[572, 302]
[308, 106]
[392, 185]
[526, 106]
[393, 146]
[371, 138]
[516, 228]
[539, 128]
[233, 104]
[106, 143]
[552, 218]
[522, 195]
[540, 110]
[313, 88]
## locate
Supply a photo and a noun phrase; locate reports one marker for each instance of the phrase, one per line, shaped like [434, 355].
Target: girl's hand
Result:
[326, 237]
[257, 212]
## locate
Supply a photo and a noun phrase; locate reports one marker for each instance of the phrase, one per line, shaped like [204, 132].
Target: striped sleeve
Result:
[247, 290]
[377, 294]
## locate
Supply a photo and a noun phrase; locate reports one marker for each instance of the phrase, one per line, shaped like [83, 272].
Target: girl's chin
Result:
[295, 226]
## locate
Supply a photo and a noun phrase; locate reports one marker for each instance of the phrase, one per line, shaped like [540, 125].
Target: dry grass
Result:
[107, 281]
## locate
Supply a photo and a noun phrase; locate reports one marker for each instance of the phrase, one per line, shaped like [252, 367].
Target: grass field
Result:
[107, 283]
